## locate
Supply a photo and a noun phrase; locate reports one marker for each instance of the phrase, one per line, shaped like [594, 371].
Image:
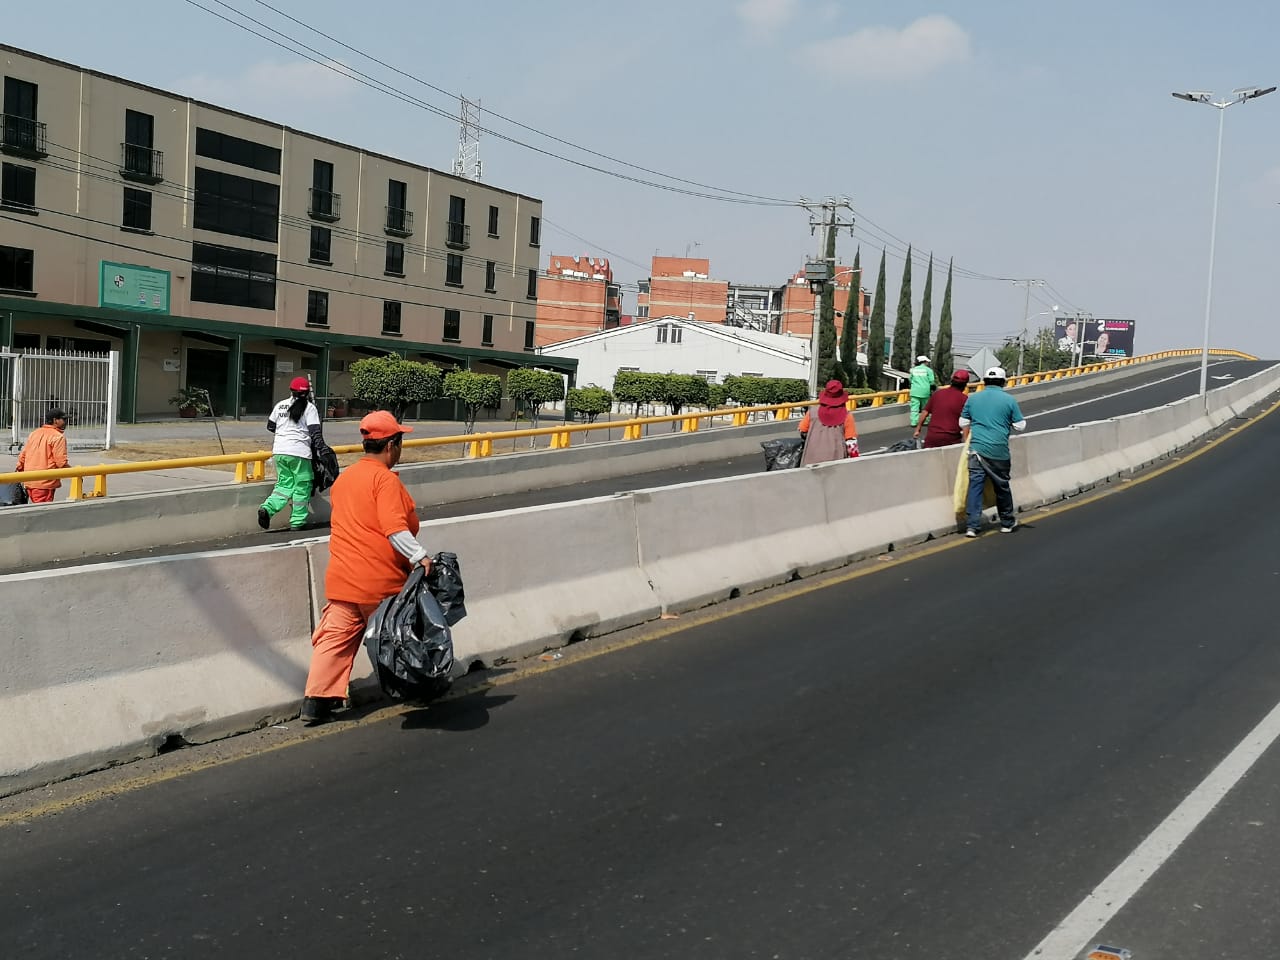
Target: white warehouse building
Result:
[677, 345]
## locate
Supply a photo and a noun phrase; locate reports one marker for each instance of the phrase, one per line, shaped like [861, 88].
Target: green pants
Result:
[917, 404]
[293, 483]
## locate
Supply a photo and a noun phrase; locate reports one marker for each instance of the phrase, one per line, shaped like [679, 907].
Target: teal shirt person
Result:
[990, 415]
[923, 380]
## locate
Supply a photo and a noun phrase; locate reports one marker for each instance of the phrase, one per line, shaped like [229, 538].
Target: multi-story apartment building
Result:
[800, 305]
[219, 250]
[682, 287]
[577, 296]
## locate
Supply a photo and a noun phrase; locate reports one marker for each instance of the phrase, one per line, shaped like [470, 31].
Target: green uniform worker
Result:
[923, 383]
[295, 421]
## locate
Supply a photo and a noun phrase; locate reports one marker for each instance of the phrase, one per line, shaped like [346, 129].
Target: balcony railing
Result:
[141, 163]
[22, 136]
[399, 222]
[325, 205]
[457, 236]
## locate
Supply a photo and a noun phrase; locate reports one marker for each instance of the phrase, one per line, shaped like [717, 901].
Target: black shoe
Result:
[264, 518]
[316, 709]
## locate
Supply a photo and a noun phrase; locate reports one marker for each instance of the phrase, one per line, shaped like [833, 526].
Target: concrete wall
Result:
[194, 647]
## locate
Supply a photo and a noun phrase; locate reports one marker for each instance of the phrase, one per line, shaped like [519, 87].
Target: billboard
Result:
[128, 287]
[1102, 338]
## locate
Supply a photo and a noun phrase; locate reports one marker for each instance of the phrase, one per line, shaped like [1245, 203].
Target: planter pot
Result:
[187, 413]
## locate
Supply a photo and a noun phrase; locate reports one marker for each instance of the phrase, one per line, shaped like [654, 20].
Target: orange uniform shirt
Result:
[369, 505]
[45, 449]
[850, 428]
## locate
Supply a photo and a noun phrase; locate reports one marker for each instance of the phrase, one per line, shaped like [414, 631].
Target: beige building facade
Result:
[221, 251]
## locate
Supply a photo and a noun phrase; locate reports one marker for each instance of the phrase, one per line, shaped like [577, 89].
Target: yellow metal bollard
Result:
[740, 419]
[633, 431]
[77, 489]
[486, 447]
[99, 487]
[689, 425]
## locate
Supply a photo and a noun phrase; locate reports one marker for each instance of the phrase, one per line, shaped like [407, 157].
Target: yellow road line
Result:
[708, 616]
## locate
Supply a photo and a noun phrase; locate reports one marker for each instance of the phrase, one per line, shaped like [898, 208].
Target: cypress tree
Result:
[943, 361]
[875, 336]
[828, 360]
[925, 329]
[902, 356]
[849, 337]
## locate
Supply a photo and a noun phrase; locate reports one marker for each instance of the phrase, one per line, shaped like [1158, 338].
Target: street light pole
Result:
[1199, 96]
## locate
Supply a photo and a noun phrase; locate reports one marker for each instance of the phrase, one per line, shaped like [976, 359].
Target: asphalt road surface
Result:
[934, 758]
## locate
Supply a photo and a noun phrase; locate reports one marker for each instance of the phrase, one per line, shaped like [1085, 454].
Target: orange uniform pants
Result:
[334, 646]
[38, 495]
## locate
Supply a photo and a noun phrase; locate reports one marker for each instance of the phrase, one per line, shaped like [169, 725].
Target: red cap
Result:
[960, 376]
[300, 383]
[380, 424]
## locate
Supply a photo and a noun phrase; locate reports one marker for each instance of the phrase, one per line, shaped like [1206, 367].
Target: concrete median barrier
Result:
[880, 503]
[705, 542]
[121, 660]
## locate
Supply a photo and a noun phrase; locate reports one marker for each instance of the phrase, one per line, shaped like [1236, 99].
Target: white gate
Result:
[82, 385]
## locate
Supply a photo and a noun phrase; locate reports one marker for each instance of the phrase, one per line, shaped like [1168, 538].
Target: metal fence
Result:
[84, 385]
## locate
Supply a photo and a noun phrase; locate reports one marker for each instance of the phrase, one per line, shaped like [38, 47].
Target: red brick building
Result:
[576, 296]
[682, 287]
[799, 304]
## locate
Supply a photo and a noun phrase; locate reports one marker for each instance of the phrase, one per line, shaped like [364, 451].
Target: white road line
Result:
[1120, 393]
[1100, 907]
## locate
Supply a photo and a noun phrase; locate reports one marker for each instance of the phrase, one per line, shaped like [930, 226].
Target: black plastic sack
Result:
[782, 454]
[902, 446]
[408, 637]
[12, 495]
[445, 583]
[324, 466]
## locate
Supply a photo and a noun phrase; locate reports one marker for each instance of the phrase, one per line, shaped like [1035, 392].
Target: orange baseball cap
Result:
[381, 424]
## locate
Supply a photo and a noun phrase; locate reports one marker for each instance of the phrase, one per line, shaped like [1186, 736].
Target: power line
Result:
[373, 83]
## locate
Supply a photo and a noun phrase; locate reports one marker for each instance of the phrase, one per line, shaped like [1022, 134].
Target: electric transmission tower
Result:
[468, 163]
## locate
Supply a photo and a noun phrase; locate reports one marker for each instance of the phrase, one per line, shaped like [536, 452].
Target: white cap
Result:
[995, 373]
[922, 359]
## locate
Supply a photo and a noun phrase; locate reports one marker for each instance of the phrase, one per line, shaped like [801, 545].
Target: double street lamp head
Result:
[1239, 95]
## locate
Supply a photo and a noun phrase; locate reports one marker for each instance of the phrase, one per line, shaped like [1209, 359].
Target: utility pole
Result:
[821, 272]
[1026, 314]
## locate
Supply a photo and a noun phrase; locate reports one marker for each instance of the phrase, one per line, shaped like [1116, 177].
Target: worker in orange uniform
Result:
[45, 449]
[373, 546]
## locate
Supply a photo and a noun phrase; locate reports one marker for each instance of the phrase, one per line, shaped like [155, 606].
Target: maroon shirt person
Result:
[942, 413]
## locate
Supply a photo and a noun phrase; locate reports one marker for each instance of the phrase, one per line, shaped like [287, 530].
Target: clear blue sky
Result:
[1022, 140]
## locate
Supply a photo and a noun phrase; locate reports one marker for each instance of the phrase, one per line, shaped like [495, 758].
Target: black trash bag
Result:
[13, 495]
[408, 637]
[445, 583]
[902, 446]
[324, 466]
[782, 454]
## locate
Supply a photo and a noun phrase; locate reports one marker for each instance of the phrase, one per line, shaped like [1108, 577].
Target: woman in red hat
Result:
[294, 421]
[834, 436]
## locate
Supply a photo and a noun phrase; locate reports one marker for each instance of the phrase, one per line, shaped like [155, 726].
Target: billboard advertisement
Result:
[128, 287]
[1102, 338]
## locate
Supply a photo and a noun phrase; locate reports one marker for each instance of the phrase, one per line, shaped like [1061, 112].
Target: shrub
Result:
[473, 391]
[394, 383]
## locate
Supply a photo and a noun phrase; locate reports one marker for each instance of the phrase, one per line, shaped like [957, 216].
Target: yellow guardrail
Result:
[252, 466]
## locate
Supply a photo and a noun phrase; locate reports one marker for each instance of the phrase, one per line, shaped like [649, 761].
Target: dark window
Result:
[457, 210]
[528, 334]
[243, 153]
[20, 129]
[397, 194]
[20, 98]
[395, 258]
[238, 278]
[17, 269]
[322, 175]
[391, 317]
[317, 308]
[490, 277]
[486, 333]
[321, 244]
[18, 186]
[453, 325]
[137, 209]
[139, 129]
[493, 221]
[453, 269]
[533, 284]
[535, 231]
[235, 205]
[399, 219]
